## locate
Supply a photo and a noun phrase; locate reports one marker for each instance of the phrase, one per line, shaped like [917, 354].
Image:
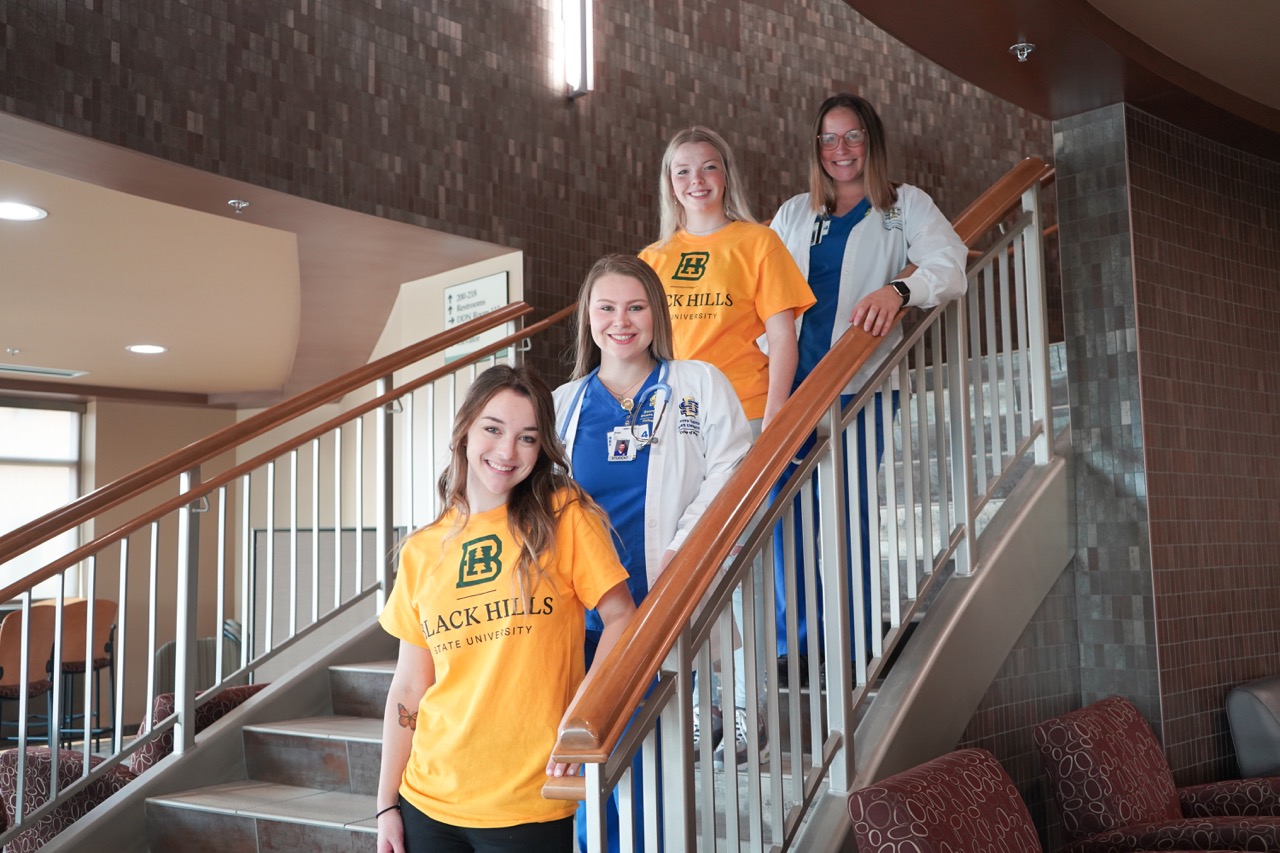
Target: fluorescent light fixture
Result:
[28, 371]
[17, 211]
[146, 349]
[579, 50]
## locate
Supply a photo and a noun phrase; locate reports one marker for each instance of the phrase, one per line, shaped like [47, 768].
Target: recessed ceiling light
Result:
[16, 211]
[146, 349]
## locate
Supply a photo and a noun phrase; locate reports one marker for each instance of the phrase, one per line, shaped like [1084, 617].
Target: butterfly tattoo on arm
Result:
[407, 720]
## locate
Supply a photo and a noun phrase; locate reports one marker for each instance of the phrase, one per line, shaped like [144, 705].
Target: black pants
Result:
[423, 834]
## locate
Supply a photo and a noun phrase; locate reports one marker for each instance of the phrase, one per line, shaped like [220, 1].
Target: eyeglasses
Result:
[852, 138]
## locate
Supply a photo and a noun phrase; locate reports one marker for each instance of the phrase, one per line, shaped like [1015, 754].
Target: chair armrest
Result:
[1232, 798]
[1210, 833]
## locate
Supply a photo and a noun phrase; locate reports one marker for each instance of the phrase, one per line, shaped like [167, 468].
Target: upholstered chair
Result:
[963, 802]
[1115, 792]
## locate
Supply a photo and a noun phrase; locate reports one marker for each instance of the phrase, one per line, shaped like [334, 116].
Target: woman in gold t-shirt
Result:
[488, 606]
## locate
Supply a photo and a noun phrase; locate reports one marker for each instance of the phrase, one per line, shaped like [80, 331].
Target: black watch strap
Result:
[903, 291]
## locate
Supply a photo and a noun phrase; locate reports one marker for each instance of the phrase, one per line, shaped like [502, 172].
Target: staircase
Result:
[308, 782]
[311, 782]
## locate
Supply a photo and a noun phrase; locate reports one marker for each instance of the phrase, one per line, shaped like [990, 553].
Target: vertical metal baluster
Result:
[940, 377]
[153, 579]
[270, 548]
[1020, 309]
[91, 600]
[835, 598]
[772, 705]
[884, 403]
[792, 565]
[293, 542]
[1037, 327]
[248, 575]
[1007, 319]
[750, 656]
[925, 556]
[315, 530]
[993, 373]
[188, 586]
[708, 788]
[875, 560]
[55, 709]
[963, 457]
[24, 677]
[810, 527]
[908, 486]
[409, 442]
[118, 652]
[433, 453]
[221, 591]
[337, 516]
[384, 495]
[728, 705]
[979, 409]
[649, 761]
[677, 789]
[359, 489]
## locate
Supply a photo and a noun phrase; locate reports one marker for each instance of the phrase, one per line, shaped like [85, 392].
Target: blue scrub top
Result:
[619, 487]
[826, 257]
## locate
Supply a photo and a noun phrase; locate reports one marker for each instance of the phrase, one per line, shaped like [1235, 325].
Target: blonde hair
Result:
[588, 352]
[535, 503]
[671, 214]
[875, 171]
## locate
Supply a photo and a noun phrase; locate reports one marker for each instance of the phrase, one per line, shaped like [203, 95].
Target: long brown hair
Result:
[875, 171]
[588, 352]
[535, 503]
[671, 214]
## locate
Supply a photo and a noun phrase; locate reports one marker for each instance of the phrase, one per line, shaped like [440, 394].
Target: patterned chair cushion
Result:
[36, 792]
[1106, 770]
[1213, 833]
[207, 713]
[961, 802]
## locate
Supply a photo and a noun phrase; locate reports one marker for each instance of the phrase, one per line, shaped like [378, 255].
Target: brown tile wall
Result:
[1206, 260]
[1040, 679]
[449, 113]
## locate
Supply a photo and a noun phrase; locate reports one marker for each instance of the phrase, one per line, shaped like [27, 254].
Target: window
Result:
[39, 472]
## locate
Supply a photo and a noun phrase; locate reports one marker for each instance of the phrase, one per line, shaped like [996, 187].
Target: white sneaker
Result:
[740, 739]
[717, 731]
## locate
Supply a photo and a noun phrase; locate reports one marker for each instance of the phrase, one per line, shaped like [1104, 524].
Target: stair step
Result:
[360, 690]
[245, 817]
[334, 753]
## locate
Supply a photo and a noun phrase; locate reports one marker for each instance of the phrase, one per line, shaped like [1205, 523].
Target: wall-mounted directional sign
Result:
[463, 302]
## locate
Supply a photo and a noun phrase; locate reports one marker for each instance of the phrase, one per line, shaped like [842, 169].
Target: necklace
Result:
[709, 230]
[625, 400]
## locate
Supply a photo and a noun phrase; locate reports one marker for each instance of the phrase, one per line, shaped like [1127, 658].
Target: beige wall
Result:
[122, 438]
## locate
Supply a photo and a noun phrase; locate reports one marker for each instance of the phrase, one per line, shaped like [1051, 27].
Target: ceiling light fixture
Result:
[16, 211]
[146, 349]
[579, 50]
[238, 204]
[1022, 50]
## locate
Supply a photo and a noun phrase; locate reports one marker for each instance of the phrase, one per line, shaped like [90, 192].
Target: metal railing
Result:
[297, 529]
[964, 405]
[283, 522]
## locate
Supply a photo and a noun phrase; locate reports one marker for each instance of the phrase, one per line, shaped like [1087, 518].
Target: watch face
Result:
[903, 291]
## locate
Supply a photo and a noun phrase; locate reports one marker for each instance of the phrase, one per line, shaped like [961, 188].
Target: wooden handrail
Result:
[149, 476]
[595, 722]
[209, 486]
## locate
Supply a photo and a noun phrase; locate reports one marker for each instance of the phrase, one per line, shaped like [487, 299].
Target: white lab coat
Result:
[701, 440]
[912, 231]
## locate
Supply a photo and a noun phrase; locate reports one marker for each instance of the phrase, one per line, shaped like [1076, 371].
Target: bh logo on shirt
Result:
[480, 563]
[692, 266]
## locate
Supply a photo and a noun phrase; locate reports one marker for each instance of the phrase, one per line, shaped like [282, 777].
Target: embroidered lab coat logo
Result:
[893, 218]
[689, 423]
[480, 563]
[692, 266]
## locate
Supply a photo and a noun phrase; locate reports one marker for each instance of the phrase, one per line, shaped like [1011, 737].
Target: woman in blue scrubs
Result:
[637, 424]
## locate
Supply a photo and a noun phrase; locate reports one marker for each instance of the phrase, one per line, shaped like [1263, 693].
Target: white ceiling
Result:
[254, 307]
[1234, 43]
[107, 269]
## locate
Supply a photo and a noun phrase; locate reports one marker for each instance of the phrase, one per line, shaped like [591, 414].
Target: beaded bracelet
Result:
[395, 806]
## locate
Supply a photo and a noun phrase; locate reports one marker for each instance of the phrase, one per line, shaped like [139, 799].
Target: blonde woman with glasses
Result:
[851, 236]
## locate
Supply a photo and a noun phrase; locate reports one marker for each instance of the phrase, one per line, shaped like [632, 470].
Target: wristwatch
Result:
[903, 291]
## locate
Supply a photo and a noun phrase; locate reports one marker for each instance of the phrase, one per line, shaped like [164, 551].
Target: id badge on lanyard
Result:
[622, 444]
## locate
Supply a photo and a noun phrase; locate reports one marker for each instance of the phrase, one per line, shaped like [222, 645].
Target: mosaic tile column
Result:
[1113, 575]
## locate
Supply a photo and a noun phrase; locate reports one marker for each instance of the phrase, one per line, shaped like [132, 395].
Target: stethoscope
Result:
[649, 396]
